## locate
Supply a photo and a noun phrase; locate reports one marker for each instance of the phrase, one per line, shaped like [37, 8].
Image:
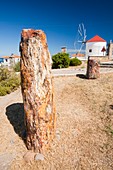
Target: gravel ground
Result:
[84, 132]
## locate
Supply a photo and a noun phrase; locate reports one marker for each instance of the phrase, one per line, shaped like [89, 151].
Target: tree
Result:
[60, 60]
[75, 62]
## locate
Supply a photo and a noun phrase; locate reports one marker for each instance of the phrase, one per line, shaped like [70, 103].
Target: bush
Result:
[75, 62]
[60, 60]
[17, 67]
[9, 82]
[12, 82]
[4, 74]
[4, 90]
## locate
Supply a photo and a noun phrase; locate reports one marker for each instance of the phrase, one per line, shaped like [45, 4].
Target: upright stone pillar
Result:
[37, 90]
[93, 71]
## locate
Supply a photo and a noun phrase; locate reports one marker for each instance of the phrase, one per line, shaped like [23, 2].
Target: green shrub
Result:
[17, 67]
[75, 62]
[4, 90]
[60, 60]
[4, 74]
[9, 81]
[12, 82]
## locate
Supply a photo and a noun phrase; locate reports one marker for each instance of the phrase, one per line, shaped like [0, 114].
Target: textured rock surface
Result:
[93, 71]
[37, 90]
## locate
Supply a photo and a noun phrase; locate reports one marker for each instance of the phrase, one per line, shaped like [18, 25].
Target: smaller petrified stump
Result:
[93, 71]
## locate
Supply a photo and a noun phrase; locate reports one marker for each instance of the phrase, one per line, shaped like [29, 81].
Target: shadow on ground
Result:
[111, 107]
[82, 76]
[15, 114]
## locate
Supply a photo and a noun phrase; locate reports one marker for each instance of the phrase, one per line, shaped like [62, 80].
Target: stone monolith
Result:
[93, 69]
[37, 90]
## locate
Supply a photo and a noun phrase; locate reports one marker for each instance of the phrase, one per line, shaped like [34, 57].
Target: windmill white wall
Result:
[96, 46]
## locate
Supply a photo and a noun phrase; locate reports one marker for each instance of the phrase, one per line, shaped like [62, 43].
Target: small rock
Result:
[11, 141]
[57, 132]
[58, 136]
[39, 156]
[29, 156]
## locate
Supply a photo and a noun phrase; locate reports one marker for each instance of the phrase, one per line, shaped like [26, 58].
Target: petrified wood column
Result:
[93, 71]
[37, 89]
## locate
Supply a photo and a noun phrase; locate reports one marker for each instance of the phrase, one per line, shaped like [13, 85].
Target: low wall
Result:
[100, 58]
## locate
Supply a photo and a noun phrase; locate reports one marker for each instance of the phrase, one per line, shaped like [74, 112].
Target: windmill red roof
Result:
[96, 39]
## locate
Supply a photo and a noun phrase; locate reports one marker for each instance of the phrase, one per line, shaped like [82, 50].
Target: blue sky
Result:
[58, 19]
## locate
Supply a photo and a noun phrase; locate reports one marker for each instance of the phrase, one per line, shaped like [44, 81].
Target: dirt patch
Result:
[84, 135]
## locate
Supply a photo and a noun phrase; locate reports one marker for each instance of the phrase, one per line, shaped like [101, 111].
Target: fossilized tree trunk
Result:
[37, 90]
[93, 71]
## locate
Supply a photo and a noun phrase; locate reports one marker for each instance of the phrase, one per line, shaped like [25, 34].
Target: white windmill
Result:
[80, 41]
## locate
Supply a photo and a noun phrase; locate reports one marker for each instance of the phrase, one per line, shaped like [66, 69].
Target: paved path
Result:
[68, 72]
[75, 71]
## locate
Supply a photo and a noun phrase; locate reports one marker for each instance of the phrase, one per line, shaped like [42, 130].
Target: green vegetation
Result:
[17, 67]
[9, 81]
[75, 62]
[4, 74]
[60, 60]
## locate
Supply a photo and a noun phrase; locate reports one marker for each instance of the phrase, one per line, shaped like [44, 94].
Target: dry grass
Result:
[84, 135]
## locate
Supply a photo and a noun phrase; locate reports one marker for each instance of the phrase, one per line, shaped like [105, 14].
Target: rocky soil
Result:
[84, 132]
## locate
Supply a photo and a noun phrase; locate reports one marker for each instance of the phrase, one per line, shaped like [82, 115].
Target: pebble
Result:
[58, 136]
[11, 141]
[39, 156]
[29, 156]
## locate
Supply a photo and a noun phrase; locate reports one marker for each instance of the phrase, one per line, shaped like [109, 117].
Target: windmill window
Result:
[6, 60]
[90, 50]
